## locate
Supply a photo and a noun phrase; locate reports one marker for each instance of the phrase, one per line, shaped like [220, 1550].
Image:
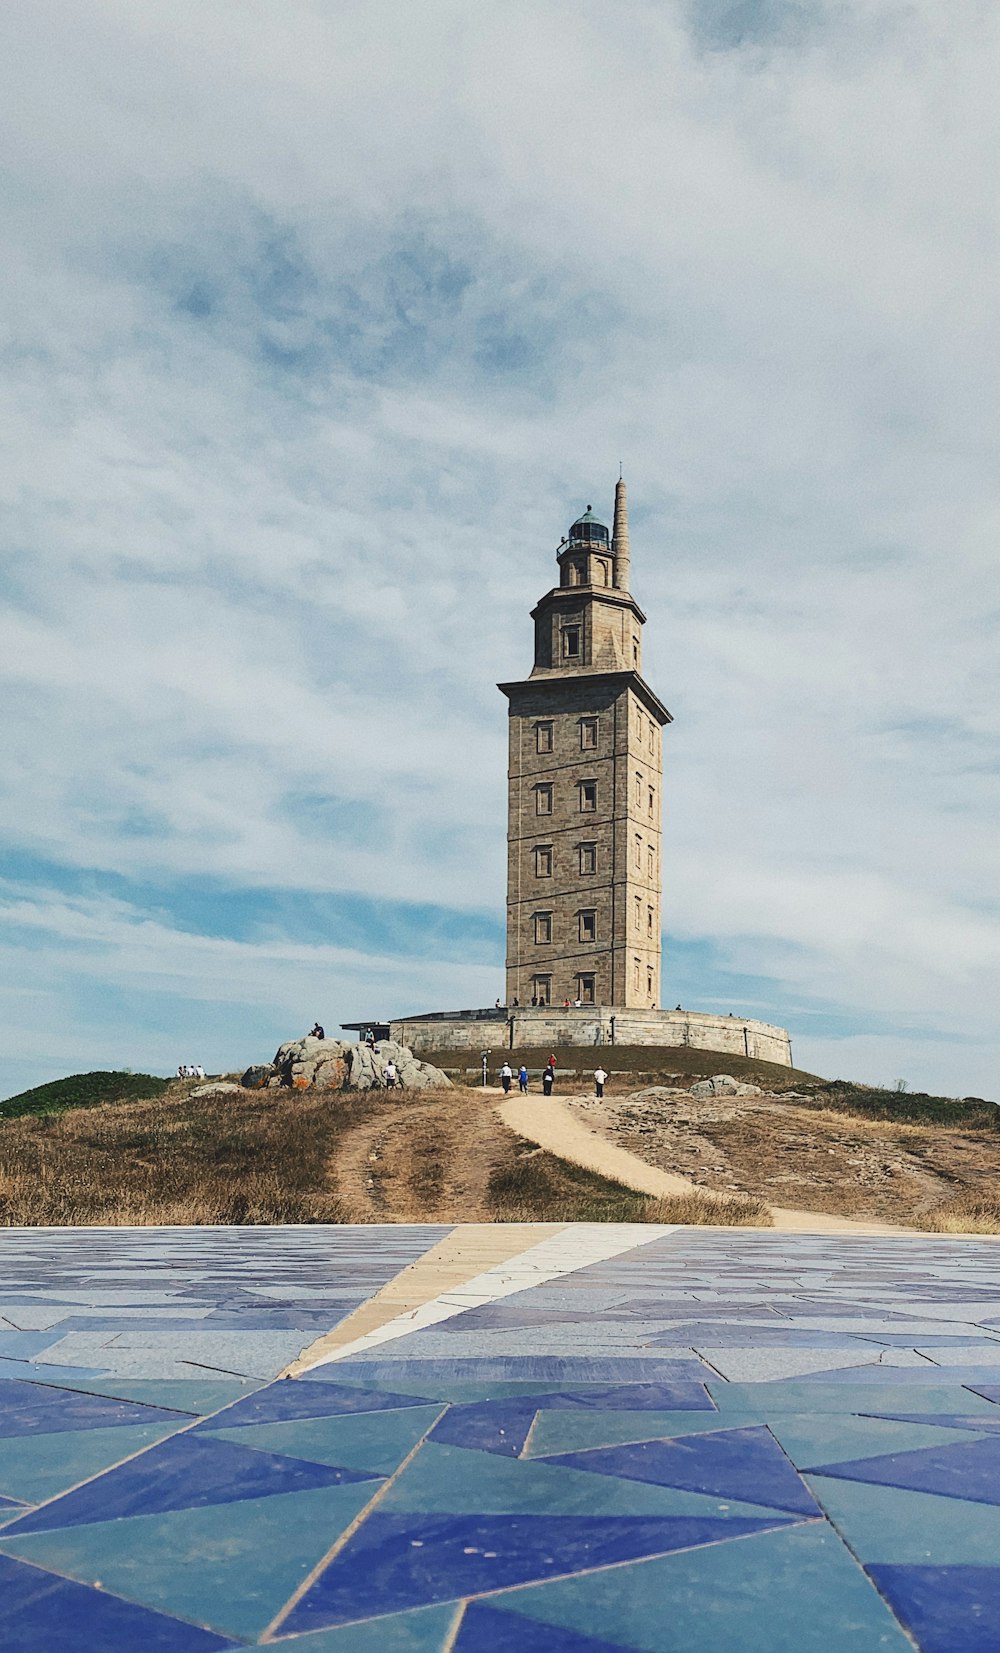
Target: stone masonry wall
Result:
[590, 1026]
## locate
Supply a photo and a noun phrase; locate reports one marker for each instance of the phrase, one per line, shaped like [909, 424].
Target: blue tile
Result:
[426, 1630]
[184, 1472]
[290, 1399]
[488, 1426]
[731, 1463]
[946, 1609]
[407, 1561]
[970, 1471]
[40, 1409]
[40, 1613]
[484, 1629]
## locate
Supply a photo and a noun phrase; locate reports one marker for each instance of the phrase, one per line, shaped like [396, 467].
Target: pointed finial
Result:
[619, 537]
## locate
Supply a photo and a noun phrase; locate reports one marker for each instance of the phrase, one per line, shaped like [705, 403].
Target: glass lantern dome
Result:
[588, 530]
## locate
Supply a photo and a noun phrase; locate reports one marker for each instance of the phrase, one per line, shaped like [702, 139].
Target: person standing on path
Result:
[522, 1079]
[599, 1078]
[506, 1075]
[548, 1080]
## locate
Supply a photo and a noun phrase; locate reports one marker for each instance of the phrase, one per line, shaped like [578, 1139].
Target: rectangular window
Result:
[638, 788]
[651, 863]
[543, 737]
[650, 922]
[543, 861]
[635, 974]
[588, 796]
[588, 926]
[541, 990]
[543, 799]
[635, 653]
[543, 928]
[588, 859]
[585, 989]
[588, 733]
[652, 736]
[638, 853]
[649, 984]
[571, 642]
[652, 800]
[638, 912]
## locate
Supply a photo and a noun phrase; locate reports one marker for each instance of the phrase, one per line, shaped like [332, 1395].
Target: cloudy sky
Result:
[321, 321]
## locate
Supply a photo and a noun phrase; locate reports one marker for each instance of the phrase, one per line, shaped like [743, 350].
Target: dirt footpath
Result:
[821, 1160]
[564, 1128]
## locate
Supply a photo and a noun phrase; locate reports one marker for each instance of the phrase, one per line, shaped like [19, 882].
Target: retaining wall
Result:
[478, 1030]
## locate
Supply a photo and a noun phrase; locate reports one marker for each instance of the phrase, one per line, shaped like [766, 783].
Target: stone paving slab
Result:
[590, 1438]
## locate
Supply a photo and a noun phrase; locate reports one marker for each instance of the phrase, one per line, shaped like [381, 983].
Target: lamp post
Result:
[486, 1057]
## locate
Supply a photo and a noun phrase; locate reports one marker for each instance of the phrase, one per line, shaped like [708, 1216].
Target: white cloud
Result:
[324, 320]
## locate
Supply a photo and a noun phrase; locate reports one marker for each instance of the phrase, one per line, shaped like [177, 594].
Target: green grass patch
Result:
[83, 1090]
[905, 1107]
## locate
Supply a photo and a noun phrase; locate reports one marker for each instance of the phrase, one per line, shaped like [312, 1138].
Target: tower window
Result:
[652, 800]
[585, 989]
[638, 853]
[638, 912]
[543, 737]
[588, 796]
[588, 926]
[588, 859]
[588, 733]
[635, 653]
[649, 984]
[651, 863]
[543, 861]
[635, 973]
[543, 928]
[571, 642]
[650, 922]
[638, 788]
[602, 569]
[652, 736]
[541, 989]
[543, 799]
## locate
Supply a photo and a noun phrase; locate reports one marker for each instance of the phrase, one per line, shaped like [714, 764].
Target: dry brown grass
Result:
[737, 1211]
[967, 1213]
[257, 1158]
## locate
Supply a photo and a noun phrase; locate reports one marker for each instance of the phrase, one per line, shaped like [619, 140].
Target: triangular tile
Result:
[198, 1396]
[579, 1431]
[32, 1409]
[34, 1469]
[420, 1559]
[376, 1442]
[426, 1630]
[945, 1609]
[969, 1469]
[731, 1463]
[186, 1472]
[290, 1399]
[486, 1629]
[448, 1480]
[794, 1591]
[231, 1567]
[892, 1525]
[41, 1612]
[813, 1440]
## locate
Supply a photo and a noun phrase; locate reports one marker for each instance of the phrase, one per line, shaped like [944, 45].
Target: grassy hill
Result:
[644, 1064]
[83, 1090]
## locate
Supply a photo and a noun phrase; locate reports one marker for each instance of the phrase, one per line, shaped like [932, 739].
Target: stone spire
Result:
[619, 537]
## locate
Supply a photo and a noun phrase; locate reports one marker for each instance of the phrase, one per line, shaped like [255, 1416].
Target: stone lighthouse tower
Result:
[584, 872]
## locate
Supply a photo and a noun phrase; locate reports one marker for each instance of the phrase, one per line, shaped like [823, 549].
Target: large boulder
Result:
[723, 1084]
[335, 1064]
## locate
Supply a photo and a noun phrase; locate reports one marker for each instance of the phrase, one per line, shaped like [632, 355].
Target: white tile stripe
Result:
[578, 1245]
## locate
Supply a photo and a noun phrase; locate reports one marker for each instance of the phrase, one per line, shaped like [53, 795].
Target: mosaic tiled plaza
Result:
[610, 1438]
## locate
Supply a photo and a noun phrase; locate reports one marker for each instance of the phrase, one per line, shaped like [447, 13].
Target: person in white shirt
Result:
[599, 1078]
[506, 1075]
[390, 1075]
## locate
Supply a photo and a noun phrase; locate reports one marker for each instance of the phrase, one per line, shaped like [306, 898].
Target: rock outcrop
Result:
[723, 1084]
[335, 1065]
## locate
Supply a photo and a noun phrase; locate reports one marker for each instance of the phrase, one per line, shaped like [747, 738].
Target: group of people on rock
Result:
[190, 1070]
[548, 1078]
